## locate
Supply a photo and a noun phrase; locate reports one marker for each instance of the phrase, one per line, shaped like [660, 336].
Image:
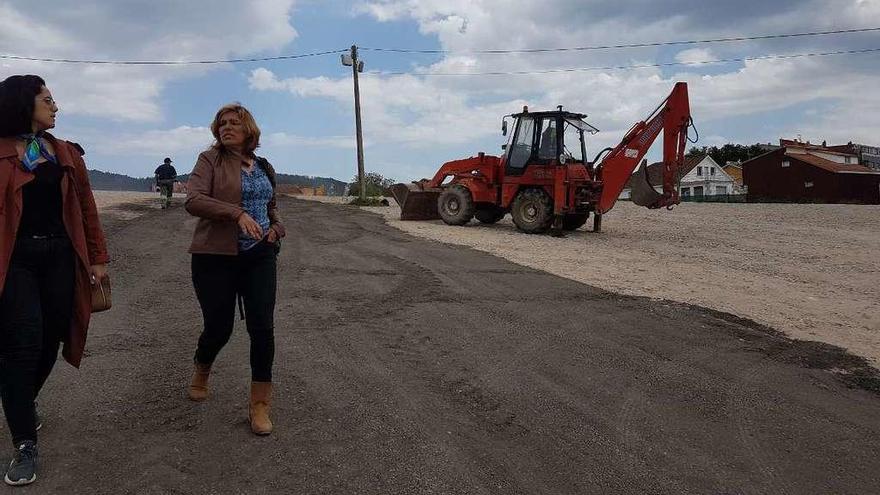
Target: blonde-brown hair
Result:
[252, 132]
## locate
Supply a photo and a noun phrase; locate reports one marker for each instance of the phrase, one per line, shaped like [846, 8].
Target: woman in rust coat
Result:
[234, 250]
[51, 249]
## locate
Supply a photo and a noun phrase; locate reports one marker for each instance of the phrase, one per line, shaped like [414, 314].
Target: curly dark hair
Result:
[17, 95]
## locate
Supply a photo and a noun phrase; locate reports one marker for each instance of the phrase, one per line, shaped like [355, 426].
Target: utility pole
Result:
[356, 67]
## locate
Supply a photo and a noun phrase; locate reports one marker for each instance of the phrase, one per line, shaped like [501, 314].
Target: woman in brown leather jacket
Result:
[234, 249]
[51, 249]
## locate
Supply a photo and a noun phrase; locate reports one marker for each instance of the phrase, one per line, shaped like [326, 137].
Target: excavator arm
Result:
[673, 117]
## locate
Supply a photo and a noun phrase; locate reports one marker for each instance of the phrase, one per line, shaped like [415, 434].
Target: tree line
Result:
[729, 152]
[375, 184]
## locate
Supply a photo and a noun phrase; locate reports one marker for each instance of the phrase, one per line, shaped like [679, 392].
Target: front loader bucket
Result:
[416, 202]
[642, 192]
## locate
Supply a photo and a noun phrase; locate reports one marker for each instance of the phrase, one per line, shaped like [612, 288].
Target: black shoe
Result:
[23, 468]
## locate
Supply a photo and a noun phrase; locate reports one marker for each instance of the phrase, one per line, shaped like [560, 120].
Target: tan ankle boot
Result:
[258, 412]
[198, 388]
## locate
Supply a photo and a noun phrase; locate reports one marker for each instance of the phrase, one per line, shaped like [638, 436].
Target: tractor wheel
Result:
[456, 205]
[489, 214]
[574, 221]
[532, 211]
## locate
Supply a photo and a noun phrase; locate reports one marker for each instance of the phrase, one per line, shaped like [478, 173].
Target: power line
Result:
[406, 50]
[171, 62]
[628, 67]
[630, 45]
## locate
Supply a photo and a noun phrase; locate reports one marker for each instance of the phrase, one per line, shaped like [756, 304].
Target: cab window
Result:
[547, 145]
[521, 150]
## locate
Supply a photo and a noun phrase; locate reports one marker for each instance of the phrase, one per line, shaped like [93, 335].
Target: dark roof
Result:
[841, 150]
[655, 170]
[844, 148]
[829, 165]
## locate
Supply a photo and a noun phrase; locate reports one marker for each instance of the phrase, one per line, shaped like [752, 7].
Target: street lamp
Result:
[351, 60]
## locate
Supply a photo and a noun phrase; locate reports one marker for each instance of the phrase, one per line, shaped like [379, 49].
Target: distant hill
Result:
[109, 181]
[332, 186]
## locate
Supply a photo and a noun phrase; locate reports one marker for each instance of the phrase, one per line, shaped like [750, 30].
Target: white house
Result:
[702, 177]
[707, 178]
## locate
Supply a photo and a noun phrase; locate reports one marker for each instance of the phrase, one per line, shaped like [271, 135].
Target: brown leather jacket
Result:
[214, 195]
[80, 216]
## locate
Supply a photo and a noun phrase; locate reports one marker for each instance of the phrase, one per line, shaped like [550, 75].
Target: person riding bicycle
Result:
[166, 176]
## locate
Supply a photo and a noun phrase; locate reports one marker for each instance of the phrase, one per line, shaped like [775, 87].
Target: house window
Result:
[685, 191]
[720, 189]
[700, 171]
[786, 163]
[711, 170]
[808, 185]
[698, 190]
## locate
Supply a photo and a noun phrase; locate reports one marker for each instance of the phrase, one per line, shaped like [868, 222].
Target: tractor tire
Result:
[574, 221]
[489, 214]
[456, 205]
[532, 211]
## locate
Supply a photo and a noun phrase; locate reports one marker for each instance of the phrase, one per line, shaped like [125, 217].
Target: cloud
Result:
[282, 139]
[695, 55]
[158, 30]
[616, 99]
[183, 139]
[433, 117]
[399, 109]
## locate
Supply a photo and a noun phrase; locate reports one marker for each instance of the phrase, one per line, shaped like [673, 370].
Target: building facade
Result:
[869, 156]
[804, 172]
[707, 178]
[700, 176]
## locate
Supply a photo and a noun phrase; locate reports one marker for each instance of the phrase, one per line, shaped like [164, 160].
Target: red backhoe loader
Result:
[544, 179]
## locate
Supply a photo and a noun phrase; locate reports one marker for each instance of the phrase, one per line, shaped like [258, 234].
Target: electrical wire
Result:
[626, 67]
[629, 45]
[406, 50]
[171, 62]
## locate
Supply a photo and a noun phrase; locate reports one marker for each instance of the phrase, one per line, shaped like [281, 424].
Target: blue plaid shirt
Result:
[256, 192]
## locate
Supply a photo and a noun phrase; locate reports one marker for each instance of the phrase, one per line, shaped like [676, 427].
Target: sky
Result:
[419, 111]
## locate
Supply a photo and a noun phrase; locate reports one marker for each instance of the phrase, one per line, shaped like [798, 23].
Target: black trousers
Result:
[35, 311]
[252, 276]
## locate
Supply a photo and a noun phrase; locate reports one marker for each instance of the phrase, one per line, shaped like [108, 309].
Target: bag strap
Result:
[267, 168]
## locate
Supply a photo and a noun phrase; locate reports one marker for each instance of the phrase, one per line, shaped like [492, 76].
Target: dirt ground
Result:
[113, 204]
[408, 366]
[810, 271]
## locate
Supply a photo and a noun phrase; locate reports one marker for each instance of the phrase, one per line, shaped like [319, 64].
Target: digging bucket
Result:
[416, 202]
[642, 192]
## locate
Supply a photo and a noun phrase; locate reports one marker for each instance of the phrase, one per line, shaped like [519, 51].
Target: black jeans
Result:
[35, 312]
[217, 280]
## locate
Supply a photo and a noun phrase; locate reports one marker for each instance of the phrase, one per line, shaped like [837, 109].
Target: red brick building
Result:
[809, 173]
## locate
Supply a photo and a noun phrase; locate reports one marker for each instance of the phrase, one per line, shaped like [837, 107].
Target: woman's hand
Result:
[97, 272]
[250, 226]
[272, 236]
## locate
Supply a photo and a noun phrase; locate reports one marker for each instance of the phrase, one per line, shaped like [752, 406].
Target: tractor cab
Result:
[544, 138]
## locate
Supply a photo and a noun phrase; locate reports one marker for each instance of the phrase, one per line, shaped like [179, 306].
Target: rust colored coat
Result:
[80, 216]
[214, 195]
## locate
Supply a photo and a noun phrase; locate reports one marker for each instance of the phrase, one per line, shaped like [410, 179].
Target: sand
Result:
[113, 203]
[810, 271]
